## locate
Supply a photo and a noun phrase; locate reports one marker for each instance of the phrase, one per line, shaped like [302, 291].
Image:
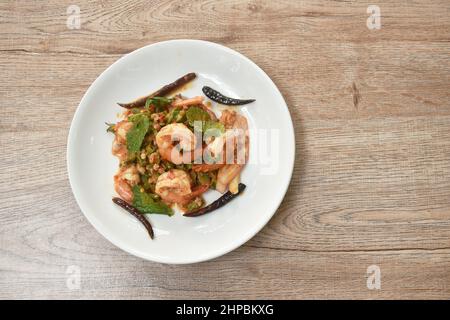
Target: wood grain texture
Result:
[371, 182]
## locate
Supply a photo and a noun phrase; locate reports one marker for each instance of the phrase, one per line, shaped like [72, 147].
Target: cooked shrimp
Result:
[121, 130]
[174, 186]
[226, 174]
[119, 150]
[242, 140]
[229, 148]
[119, 147]
[188, 102]
[228, 118]
[236, 137]
[176, 143]
[238, 155]
[124, 180]
[214, 152]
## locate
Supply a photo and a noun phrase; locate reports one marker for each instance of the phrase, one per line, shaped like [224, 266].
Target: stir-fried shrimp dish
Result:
[172, 149]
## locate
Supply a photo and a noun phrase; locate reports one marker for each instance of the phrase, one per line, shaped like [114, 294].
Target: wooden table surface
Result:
[371, 183]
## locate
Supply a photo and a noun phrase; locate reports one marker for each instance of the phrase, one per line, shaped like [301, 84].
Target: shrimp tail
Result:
[225, 175]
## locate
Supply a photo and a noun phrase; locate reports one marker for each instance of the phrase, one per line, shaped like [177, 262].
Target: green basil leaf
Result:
[136, 134]
[194, 114]
[146, 203]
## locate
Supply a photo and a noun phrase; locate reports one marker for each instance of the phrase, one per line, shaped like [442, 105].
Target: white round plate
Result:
[179, 239]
